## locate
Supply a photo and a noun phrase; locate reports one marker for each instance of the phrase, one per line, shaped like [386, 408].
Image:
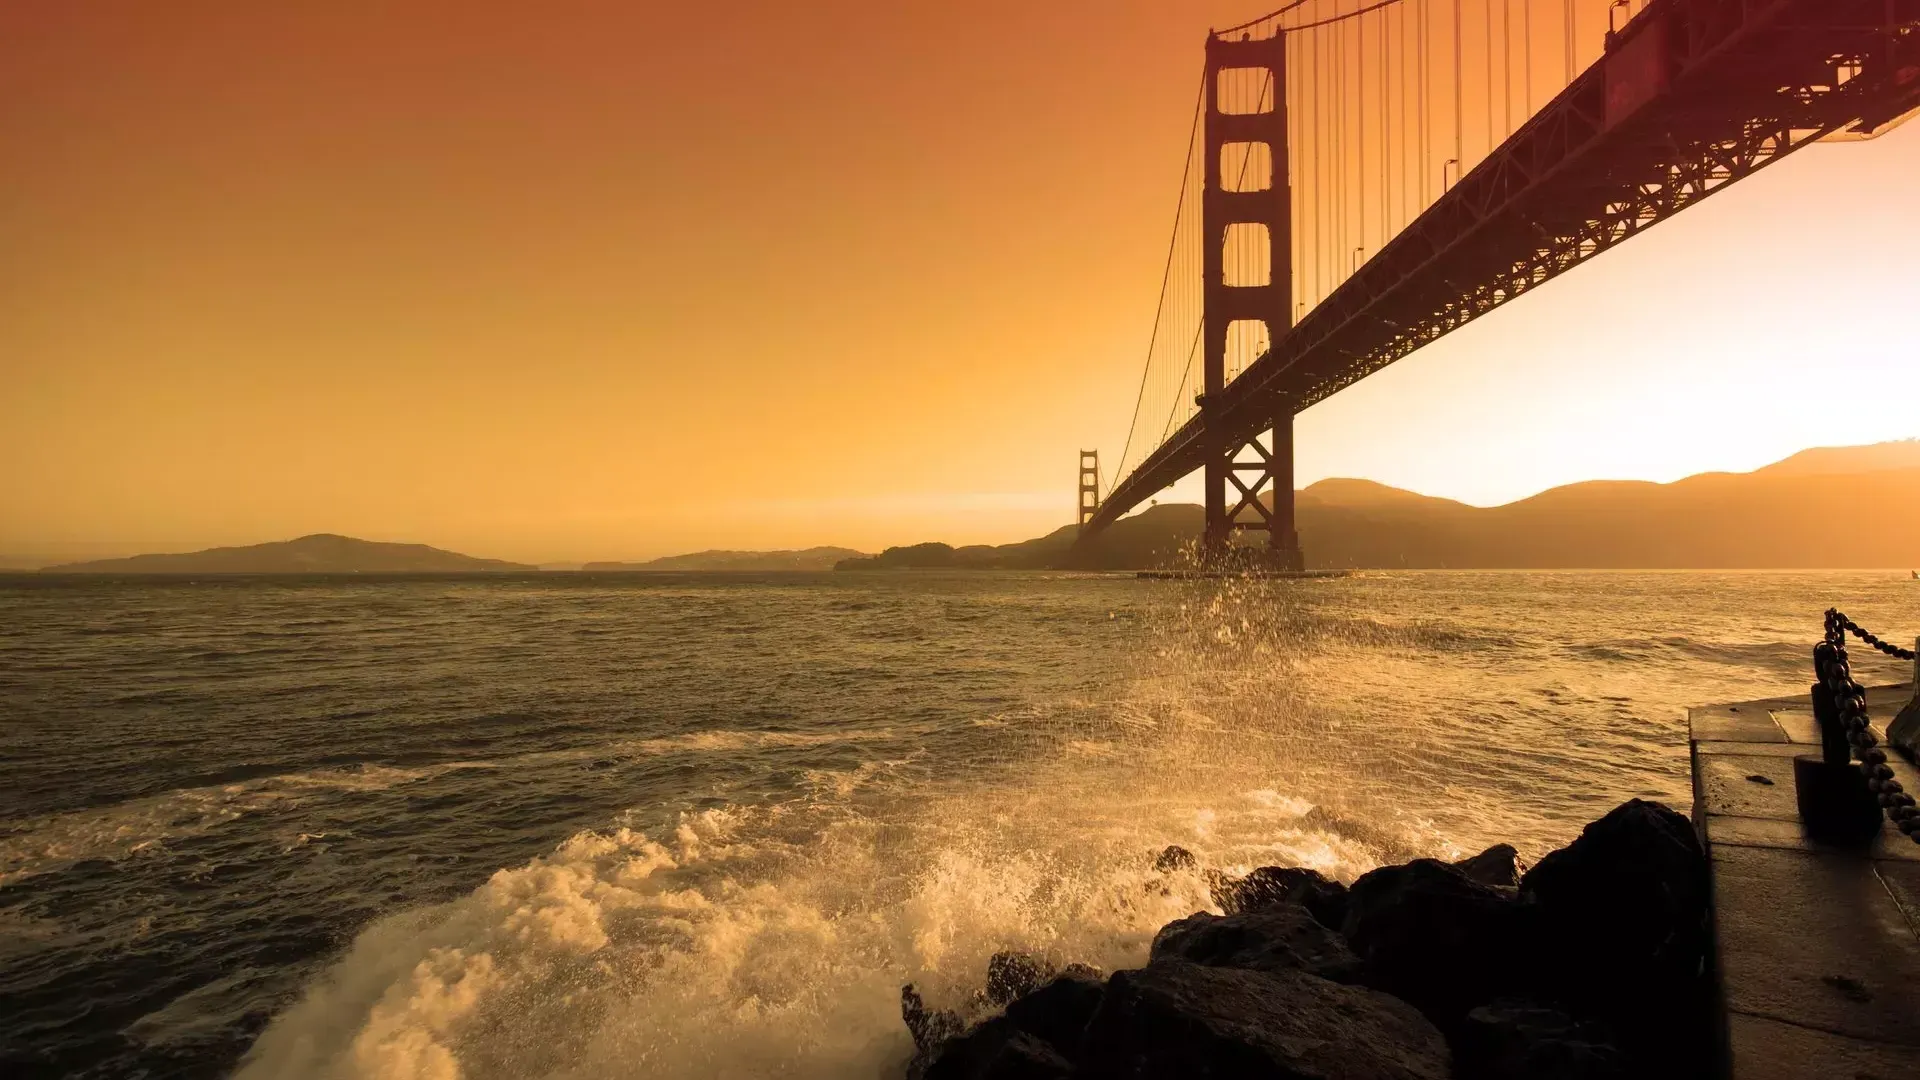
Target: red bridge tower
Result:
[1238, 473]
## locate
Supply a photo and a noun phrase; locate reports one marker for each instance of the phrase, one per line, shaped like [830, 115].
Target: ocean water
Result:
[707, 825]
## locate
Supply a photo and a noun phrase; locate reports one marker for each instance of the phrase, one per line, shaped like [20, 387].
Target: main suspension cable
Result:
[1166, 276]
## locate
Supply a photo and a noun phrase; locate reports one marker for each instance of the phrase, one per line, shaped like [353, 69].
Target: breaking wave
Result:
[733, 948]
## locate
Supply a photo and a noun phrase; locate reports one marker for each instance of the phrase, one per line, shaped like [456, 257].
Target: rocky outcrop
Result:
[1045, 1016]
[1623, 927]
[1012, 974]
[1589, 966]
[996, 1050]
[1282, 937]
[1269, 886]
[1498, 866]
[932, 1030]
[1428, 933]
[1518, 1040]
[1058, 1012]
[1176, 1019]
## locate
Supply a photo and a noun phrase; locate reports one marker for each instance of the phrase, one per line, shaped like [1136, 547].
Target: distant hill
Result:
[1830, 508]
[1827, 460]
[321, 553]
[814, 558]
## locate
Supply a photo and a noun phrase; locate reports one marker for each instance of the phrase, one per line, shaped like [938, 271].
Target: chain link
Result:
[1887, 647]
[1851, 701]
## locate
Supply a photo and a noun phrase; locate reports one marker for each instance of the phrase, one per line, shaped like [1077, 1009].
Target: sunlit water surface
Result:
[705, 826]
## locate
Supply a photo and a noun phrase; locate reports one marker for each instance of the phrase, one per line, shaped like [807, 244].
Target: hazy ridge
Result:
[320, 553]
[1825, 508]
[813, 558]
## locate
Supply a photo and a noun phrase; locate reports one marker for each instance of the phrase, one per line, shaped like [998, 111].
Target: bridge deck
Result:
[1817, 947]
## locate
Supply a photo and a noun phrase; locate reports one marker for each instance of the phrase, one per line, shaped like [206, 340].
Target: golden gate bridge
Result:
[1364, 176]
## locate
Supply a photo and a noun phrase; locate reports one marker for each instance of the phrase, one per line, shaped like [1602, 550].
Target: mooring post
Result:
[1836, 804]
[1834, 749]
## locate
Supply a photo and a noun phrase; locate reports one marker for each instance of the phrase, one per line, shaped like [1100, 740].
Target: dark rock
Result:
[1633, 888]
[1283, 937]
[1517, 1040]
[996, 1050]
[1174, 858]
[1011, 974]
[1498, 866]
[1058, 1012]
[1174, 1019]
[1623, 916]
[929, 1027]
[1269, 885]
[932, 1030]
[1431, 935]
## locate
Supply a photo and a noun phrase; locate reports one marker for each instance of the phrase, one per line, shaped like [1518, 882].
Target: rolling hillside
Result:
[1827, 508]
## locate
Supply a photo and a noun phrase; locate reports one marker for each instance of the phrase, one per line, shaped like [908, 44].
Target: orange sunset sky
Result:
[579, 280]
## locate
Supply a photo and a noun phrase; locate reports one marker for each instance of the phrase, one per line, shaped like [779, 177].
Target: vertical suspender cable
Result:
[1352, 84]
[1310, 169]
[1459, 99]
[1293, 204]
[1410, 170]
[1406, 122]
[1506, 47]
[1426, 131]
[1386, 132]
[1319, 166]
[1166, 276]
[1360, 126]
[1568, 27]
[1326, 88]
[1489, 24]
[1336, 100]
[1526, 28]
[1338, 133]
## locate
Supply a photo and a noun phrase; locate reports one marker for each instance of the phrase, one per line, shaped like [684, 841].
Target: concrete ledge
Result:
[1817, 948]
[1771, 1050]
[1815, 939]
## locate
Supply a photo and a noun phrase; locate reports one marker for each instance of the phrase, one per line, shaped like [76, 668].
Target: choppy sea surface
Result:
[707, 825]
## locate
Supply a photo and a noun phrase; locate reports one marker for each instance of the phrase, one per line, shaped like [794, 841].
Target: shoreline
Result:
[1590, 964]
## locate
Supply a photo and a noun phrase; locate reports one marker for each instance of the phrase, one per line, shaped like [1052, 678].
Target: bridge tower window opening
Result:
[1246, 167]
[1247, 340]
[1244, 91]
[1247, 256]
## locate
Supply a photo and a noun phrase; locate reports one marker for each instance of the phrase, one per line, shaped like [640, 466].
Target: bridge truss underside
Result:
[1692, 96]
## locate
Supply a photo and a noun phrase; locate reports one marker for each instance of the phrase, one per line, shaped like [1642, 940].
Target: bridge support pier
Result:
[1237, 478]
[1238, 472]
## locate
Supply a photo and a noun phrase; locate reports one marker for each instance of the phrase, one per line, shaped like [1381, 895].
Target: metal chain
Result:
[1851, 701]
[1887, 647]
